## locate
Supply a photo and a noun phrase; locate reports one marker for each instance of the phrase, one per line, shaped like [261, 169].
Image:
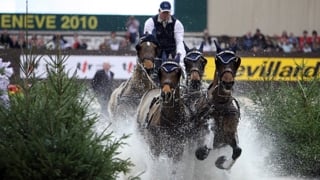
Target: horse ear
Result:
[217, 46]
[186, 47]
[164, 56]
[138, 47]
[238, 63]
[234, 48]
[201, 47]
[177, 58]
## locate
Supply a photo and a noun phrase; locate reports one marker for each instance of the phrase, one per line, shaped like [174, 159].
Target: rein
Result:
[146, 73]
[222, 108]
[206, 110]
[165, 117]
[211, 105]
[123, 98]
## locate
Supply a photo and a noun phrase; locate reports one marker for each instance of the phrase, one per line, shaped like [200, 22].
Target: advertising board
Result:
[251, 68]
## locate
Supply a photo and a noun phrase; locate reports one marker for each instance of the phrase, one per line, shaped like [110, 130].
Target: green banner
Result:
[60, 22]
[69, 22]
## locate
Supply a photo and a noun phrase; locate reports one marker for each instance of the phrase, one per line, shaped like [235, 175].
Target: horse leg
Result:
[231, 138]
[177, 151]
[223, 163]
[214, 138]
[203, 151]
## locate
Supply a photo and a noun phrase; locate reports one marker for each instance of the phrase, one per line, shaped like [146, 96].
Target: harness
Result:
[224, 109]
[153, 102]
[214, 108]
[133, 98]
[180, 127]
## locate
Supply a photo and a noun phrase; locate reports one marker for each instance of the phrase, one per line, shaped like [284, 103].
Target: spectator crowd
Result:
[286, 42]
[255, 42]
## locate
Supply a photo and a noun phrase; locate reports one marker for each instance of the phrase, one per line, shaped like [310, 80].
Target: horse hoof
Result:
[236, 153]
[220, 161]
[202, 153]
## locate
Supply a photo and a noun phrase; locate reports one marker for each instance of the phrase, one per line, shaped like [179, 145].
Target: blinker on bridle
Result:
[169, 66]
[230, 56]
[226, 57]
[193, 56]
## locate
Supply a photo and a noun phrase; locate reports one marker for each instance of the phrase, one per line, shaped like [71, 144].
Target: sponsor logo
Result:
[288, 69]
[84, 66]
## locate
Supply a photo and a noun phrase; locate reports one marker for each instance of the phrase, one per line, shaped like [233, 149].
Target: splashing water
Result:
[250, 165]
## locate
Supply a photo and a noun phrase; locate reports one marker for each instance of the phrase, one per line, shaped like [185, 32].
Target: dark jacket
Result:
[102, 84]
[165, 36]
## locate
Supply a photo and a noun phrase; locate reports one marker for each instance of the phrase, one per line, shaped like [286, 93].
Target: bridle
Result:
[194, 63]
[231, 61]
[194, 56]
[168, 67]
[147, 40]
[148, 56]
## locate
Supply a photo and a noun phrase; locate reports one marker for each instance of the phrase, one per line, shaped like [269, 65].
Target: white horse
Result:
[124, 99]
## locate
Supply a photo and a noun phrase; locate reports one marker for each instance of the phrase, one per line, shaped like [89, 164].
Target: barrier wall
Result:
[272, 68]
[253, 67]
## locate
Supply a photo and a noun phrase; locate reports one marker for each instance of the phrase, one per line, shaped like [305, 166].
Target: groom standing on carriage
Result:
[169, 32]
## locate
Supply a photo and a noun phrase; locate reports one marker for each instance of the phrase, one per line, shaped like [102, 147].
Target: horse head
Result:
[227, 64]
[147, 50]
[195, 64]
[169, 75]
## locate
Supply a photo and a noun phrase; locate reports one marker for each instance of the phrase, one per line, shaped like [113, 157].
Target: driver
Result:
[169, 32]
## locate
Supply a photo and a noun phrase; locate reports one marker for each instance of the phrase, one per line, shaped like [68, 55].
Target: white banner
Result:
[86, 66]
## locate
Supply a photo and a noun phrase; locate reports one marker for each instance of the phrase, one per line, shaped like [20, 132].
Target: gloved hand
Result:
[177, 58]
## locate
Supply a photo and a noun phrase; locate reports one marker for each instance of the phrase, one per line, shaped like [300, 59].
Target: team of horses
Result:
[179, 111]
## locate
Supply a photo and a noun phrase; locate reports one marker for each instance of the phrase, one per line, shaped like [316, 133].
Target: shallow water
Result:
[250, 165]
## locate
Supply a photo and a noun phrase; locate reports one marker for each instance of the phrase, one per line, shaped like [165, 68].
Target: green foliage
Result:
[291, 115]
[48, 132]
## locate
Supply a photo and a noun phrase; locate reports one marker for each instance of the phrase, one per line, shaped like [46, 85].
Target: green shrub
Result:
[291, 115]
[48, 133]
